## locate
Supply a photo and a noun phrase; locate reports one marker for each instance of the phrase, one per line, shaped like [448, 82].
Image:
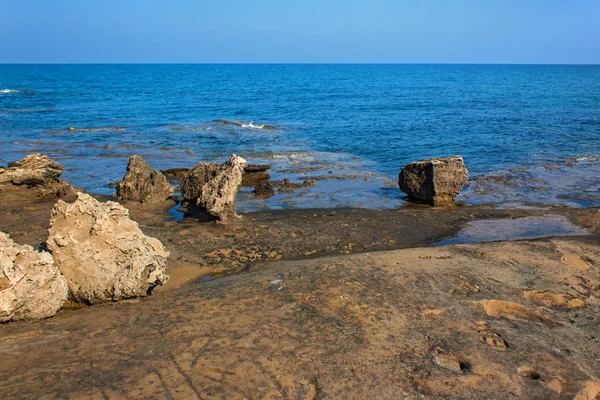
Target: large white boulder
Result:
[31, 286]
[102, 253]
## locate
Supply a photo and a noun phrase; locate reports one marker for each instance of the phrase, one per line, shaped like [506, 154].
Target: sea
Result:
[529, 134]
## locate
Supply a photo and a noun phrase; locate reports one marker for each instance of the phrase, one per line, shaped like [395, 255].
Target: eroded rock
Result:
[102, 253]
[435, 181]
[38, 172]
[218, 195]
[142, 184]
[31, 286]
[195, 179]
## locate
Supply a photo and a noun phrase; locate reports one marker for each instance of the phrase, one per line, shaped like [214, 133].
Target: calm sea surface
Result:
[356, 122]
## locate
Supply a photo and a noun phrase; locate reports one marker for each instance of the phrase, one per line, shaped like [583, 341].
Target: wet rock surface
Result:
[435, 181]
[142, 184]
[38, 172]
[102, 253]
[31, 286]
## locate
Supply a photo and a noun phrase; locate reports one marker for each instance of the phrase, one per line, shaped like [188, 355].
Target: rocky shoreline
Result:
[271, 257]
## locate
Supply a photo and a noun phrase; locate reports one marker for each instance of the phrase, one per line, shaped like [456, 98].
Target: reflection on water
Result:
[512, 229]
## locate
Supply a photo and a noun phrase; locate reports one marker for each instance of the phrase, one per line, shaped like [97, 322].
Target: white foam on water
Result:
[6, 91]
[251, 125]
[293, 155]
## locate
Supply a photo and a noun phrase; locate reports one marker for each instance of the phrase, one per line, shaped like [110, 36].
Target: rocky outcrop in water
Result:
[255, 174]
[31, 286]
[218, 194]
[37, 172]
[435, 181]
[142, 184]
[264, 189]
[195, 179]
[214, 187]
[175, 173]
[102, 253]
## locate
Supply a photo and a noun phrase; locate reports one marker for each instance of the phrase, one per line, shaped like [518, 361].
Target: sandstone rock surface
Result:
[142, 184]
[36, 171]
[435, 181]
[31, 286]
[196, 178]
[102, 253]
[218, 195]
[510, 310]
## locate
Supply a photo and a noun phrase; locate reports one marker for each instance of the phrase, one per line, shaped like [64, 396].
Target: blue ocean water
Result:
[359, 123]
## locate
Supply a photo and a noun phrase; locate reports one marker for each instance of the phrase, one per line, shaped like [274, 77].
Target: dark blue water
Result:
[352, 120]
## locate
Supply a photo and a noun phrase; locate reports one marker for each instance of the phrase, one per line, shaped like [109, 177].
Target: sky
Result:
[300, 31]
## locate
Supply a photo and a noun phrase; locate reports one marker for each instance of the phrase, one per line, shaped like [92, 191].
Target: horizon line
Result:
[295, 63]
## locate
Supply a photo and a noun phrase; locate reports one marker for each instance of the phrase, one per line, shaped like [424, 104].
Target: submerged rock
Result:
[255, 174]
[142, 184]
[175, 173]
[195, 179]
[102, 253]
[31, 286]
[264, 189]
[255, 168]
[38, 172]
[218, 194]
[435, 181]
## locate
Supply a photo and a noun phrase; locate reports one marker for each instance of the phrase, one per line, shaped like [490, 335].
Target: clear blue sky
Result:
[281, 31]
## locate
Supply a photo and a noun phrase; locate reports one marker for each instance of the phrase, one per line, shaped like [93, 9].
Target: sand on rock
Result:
[510, 310]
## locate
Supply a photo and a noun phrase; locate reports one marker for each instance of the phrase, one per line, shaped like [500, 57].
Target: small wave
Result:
[252, 126]
[247, 125]
[191, 128]
[39, 110]
[587, 158]
[281, 156]
[6, 91]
